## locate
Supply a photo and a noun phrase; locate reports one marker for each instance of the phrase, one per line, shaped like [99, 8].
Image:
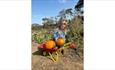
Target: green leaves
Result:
[39, 40]
[41, 36]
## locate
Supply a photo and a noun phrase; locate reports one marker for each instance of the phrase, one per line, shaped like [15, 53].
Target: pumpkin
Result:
[49, 44]
[60, 41]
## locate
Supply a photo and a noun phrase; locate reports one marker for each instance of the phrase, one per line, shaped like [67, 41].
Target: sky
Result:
[49, 8]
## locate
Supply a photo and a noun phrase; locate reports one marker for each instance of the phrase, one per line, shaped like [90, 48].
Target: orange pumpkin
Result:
[60, 41]
[49, 44]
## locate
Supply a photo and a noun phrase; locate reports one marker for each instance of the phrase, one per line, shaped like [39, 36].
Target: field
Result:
[72, 59]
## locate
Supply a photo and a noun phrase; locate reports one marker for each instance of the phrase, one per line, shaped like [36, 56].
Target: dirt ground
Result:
[65, 62]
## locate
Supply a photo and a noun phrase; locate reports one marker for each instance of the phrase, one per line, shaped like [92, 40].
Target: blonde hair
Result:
[63, 21]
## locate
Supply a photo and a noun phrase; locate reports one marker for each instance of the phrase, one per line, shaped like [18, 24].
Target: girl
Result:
[61, 31]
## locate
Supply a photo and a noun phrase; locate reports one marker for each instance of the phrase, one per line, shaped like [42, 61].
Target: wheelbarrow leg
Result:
[57, 56]
[51, 57]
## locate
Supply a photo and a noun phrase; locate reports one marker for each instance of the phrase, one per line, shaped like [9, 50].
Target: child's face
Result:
[63, 25]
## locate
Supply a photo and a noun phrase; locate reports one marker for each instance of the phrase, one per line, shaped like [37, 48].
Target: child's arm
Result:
[54, 35]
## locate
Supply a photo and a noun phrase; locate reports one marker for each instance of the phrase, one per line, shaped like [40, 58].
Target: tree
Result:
[62, 14]
[79, 9]
[79, 5]
[36, 26]
[48, 22]
[69, 11]
[65, 14]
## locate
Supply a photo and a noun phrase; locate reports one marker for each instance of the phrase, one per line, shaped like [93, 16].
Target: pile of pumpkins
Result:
[49, 44]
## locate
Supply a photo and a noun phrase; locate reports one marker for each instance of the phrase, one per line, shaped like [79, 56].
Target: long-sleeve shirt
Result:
[59, 33]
